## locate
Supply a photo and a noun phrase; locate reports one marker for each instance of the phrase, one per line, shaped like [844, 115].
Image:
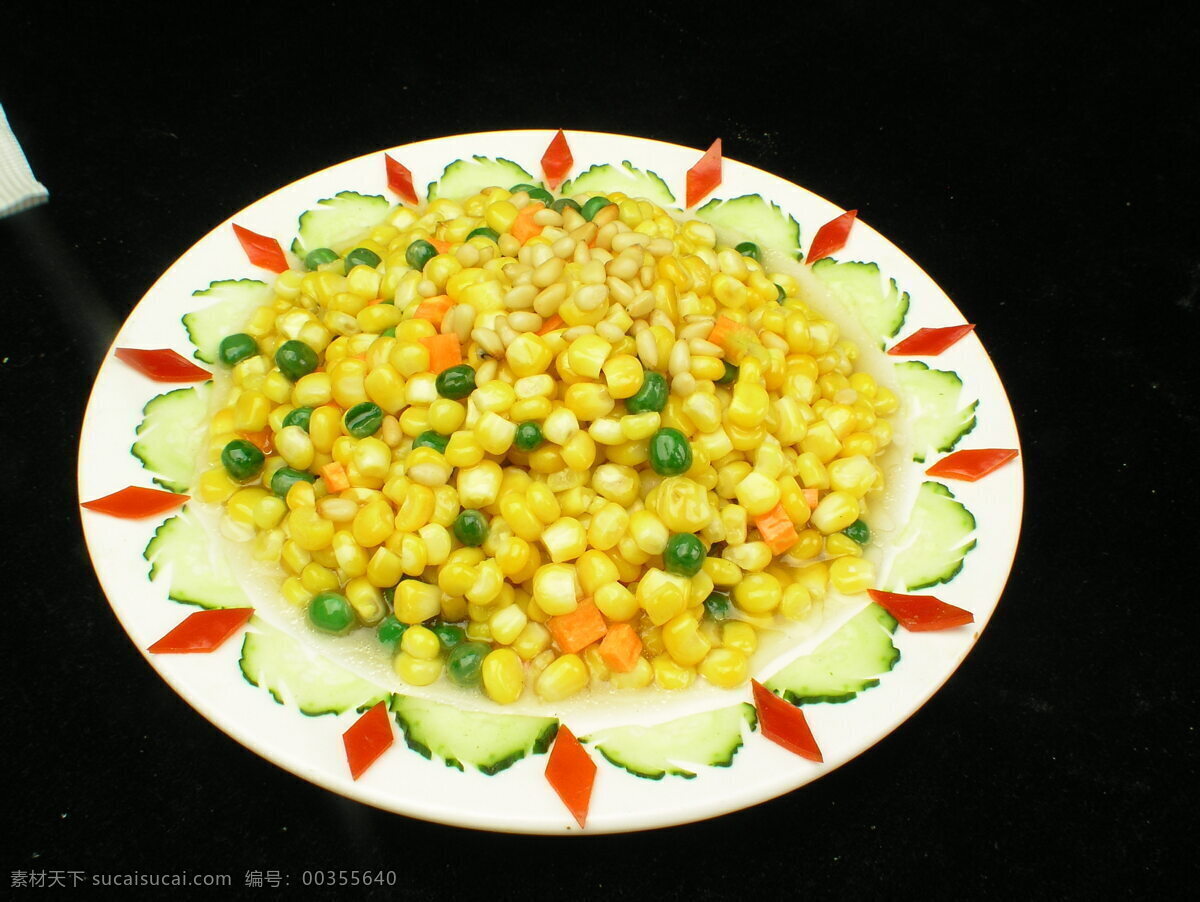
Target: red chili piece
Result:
[784, 724]
[972, 465]
[261, 250]
[400, 180]
[162, 365]
[571, 771]
[369, 737]
[831, 237]
[134, 502]
[930, 342]
[203, 631]
[705, 175]
[557, 160]
[921, 613]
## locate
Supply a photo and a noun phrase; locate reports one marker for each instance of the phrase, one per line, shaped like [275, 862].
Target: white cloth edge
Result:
[19, 190]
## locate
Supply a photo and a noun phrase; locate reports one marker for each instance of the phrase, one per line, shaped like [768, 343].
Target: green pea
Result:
[391, 631]
[286, 477]
[484, 232]
[563, 202]
[235, 348]
[670, 453]
[299, 416]
[684, 554]
[464, 664]
[319, 257]
[456, 382]
[295, 359]
[652, 396]
[717, 606]
[362, 256]
[730, 375]
[471, 527]
[529, 436]
[858, 531]
[419, 253]
[363, 419]
[389, 332]
[782, 296]
[242, 460]
[749, 249]
[593, 206]
[431, 439]
[535, 193]
[449, 634]
[331, 613]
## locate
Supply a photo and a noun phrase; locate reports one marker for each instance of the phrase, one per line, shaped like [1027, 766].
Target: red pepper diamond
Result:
[921, 613]
[972, 465]
[929, 342]
[705, 175]
[162, 364]
[557, 160]
[369, 737]
[261, 250]
[571, 771]
[831, 237]
[134, 502]
[784, 724]
[400, 180]
[203, 631]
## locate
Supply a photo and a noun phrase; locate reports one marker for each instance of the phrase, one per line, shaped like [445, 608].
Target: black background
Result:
[1041, 166]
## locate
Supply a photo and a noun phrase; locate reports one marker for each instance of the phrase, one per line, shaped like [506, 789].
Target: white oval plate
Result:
[519, 799]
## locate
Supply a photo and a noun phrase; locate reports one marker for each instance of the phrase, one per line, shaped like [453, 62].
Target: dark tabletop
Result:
[1041, 167]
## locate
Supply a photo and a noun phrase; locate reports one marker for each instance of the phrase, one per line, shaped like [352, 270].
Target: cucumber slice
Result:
[604, 178]
[463, 178]
[490, 742]
[296, 675]
[860, 288]
[754, 219]
[337, 222]
[934, 541]
[195, 573]
[710, 738]
[236, 300]
[938, 423]
[170, 435]
[847, 663]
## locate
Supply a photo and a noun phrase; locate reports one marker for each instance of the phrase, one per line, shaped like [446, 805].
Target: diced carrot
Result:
[335, 477]
[621, 648]
[811, 497]
[260, 440]
[444, 351]
[434, 309]
[731, 335]
[554, 322]
[374, 301]
[777, 529]
[443, 247]
[578, 629]
[523, 227]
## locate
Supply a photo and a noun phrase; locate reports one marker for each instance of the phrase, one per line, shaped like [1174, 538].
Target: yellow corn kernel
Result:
[308, 529]
[445, 415]
[294, 592]
[518, 514]
[821, 441]
[373, 523]
[623, 375]
[347, 380]
[565, 539]
[721, 571]
[608, 526]
[216, 486]
[749, 404]
[316, 578]
[758, 593]
[416, 509]
[269, 512]
[662, 595]
[750, 556]
[841, 545]
[503, 676]
[542, 502]
[854, 475]
[616, 602]
[565, 676]
[416, 671]
[479, 486]
[351, 557]
[648, 531]
[411, 551]
[588, 400]
[555, 588]
[758, 493]
[641, 676]
[385, 386]
[294, 557]
[325, 427]
[808, 545]
[421, 642]
[739, 635]
[427, 467]
[366, 599]
[507, 624]
[670, 675]
[796, 603]
[414, 420]
[849, 575]
[384, 568]
[464, 449]
[436, 539]
[579, 453]
[455, 578]
[735, 522]
[250, 411]
[835, 512]
[682, 504]
[725, 667]
[488, 582]
[811, 471]
[730, 476]
[531, 641]
[683, 640]
[416, 602]
[528, 355]
[595, 570]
